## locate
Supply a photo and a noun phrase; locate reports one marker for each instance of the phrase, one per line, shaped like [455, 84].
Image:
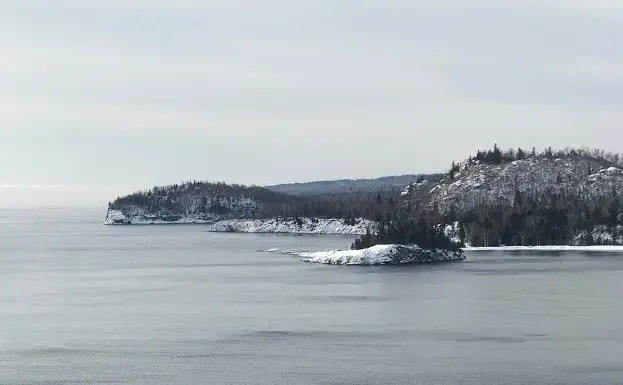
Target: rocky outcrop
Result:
[479, 183]
[384, 255]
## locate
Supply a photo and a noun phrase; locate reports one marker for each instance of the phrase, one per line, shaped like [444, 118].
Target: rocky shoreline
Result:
[270, 225]
[384, 255]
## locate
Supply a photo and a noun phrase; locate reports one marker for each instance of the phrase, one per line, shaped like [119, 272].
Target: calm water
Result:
[84, 303]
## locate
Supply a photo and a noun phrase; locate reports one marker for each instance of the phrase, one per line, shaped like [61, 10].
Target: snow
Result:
[381, 255]
[604, 235]
[274, 225]
[280, 225]
[375, 255]
[271, 250]
[417, 185]
[483, 183]
[609, 249]
[453, 232]
[115, 217]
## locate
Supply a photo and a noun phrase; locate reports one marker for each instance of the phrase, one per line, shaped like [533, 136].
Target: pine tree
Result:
[521, 155]
[613, 212]
[496, 156]
[462, 234]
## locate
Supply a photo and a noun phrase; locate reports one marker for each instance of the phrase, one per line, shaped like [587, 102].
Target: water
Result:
[81, 303]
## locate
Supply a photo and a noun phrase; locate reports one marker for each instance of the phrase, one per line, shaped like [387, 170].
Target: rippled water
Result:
[84, 303]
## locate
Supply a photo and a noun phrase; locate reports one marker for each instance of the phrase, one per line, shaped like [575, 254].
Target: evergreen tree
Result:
[613, 212]
[497, 155]
[521, 155]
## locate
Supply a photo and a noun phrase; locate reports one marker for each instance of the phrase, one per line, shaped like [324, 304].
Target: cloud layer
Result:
[135, 93]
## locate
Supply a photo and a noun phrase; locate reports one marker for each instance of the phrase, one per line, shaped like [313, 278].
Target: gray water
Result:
[81, 303]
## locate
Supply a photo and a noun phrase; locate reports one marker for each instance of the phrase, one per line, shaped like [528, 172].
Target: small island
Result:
[397, 241]
[384, 255]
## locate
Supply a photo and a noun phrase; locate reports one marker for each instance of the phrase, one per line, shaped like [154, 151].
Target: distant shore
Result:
[270, 225]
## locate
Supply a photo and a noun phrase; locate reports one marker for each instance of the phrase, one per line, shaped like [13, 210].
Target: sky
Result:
[103, 97]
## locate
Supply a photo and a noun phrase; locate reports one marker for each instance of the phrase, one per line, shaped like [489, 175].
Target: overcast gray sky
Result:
[101, 97]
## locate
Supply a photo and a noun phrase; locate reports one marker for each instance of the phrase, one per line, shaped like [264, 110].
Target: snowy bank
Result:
[117, 217]
[291, 225]
[383, 255]
[272, 225]
[600, 249]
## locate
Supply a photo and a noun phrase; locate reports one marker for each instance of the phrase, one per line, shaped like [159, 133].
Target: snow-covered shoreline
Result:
[272, 225]
[383, 255]
[292, 226]
[603, 249]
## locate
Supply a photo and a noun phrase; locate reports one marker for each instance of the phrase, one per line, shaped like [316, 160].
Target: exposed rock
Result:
[383, 255]
[476, 183]
[272, 225]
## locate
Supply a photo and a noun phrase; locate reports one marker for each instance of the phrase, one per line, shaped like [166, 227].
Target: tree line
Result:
[552, 219]
[193, 197]
[497, 156]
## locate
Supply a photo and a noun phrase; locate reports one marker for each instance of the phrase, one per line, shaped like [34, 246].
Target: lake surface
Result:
[81, 303]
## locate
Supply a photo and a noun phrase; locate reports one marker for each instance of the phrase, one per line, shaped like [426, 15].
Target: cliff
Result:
[480, 183]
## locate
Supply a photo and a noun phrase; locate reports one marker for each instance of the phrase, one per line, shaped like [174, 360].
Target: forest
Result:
[551, 218]
[181, 199]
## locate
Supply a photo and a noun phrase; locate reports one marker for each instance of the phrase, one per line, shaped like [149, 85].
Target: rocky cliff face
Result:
[480, 184]
[193, 209]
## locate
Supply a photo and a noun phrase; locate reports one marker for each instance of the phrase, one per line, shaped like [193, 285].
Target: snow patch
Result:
[453, 231]
[116, 217]
[272, 250]
[601, 235]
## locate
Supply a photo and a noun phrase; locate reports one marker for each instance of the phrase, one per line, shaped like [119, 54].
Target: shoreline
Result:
[307, 226]
[550, 248]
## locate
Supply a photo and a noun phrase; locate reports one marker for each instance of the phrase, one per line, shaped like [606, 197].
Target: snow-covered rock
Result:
[272, 225]
[292, 225]
[383, 255]
[479, 183]
[139, 217]
[116, 217]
